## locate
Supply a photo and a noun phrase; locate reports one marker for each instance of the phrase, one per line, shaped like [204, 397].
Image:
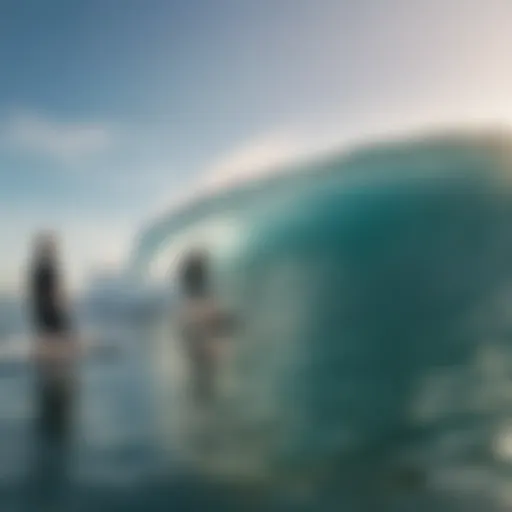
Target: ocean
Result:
[370, 366]
[114, 460]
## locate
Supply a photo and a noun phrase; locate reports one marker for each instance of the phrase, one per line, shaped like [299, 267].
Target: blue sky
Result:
[108, 108]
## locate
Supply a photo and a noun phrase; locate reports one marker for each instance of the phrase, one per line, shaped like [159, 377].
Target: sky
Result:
[109, 109]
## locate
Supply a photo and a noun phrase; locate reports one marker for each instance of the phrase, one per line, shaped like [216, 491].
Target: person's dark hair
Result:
[193, 274]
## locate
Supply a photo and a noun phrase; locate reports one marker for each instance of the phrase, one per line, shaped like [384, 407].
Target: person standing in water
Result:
[203, 325]
[54, 347]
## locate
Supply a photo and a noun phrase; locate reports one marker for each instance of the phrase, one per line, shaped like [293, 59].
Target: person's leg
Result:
[56, 383]
[204, 379]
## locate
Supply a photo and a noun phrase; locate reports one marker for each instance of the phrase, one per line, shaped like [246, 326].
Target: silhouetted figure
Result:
[54, 344]
[48, 308]
[54, 352]
[203, 324]
[195, 290]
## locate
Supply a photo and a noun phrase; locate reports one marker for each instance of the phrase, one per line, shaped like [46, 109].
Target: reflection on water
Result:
[111, 461]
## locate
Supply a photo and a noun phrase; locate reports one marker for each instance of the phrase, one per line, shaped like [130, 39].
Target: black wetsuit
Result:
[49, 317]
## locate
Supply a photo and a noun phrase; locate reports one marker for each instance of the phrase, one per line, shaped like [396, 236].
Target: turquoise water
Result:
[372, 366]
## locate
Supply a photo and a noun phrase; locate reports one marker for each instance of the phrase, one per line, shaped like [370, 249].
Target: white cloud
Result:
[68, 142]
